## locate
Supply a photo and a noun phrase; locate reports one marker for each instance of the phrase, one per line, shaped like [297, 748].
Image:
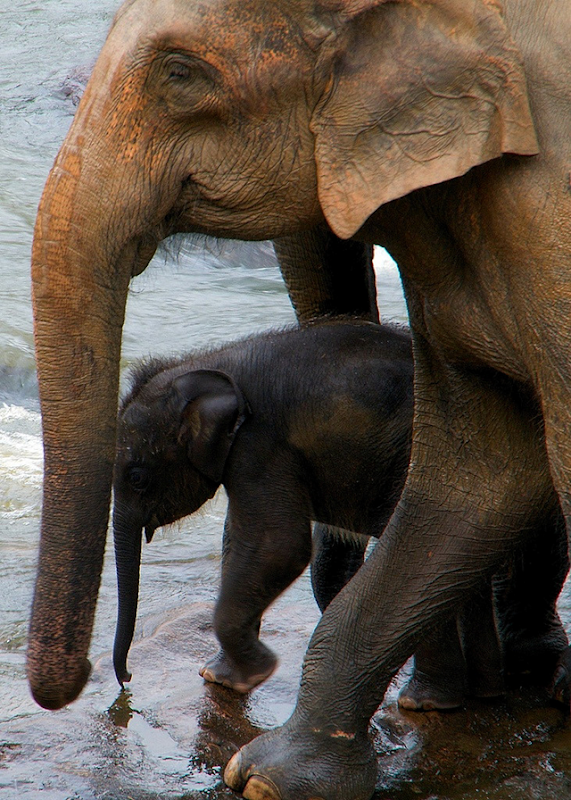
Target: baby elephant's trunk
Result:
[127, 534]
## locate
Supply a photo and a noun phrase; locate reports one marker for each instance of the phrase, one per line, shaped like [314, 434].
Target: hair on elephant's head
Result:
[175, 432]
[238, 118]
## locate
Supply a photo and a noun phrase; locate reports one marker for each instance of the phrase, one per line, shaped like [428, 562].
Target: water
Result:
[168, 735]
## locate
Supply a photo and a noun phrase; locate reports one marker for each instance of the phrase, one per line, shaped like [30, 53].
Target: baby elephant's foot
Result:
[423, 693]
[224, 670]
[288, 764]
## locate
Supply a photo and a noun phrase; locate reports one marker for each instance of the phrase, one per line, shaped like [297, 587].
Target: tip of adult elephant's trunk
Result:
[52, 694]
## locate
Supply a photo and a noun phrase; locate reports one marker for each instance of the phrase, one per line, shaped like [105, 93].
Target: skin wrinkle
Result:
[477, 323]
[240, 170]
[277, 147]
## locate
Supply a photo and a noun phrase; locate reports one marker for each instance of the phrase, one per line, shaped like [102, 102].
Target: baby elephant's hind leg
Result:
[481, 645]
[461, 658]
[337, 555]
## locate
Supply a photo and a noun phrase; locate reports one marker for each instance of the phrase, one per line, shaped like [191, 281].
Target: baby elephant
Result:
[310, 423]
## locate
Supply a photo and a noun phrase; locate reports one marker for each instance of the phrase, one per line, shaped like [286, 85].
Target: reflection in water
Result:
[224, 725]
[517, 749]
[120, 712]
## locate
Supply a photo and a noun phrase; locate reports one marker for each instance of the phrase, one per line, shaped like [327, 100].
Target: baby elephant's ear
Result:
[212, 410]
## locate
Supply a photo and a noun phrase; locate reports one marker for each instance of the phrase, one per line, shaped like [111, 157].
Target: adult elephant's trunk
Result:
[127, 533]
[78, 311]
[89, 240]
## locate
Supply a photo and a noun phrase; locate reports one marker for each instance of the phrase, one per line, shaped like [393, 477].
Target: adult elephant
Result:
[437, 128]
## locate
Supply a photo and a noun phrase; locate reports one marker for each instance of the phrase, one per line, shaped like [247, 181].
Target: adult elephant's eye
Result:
[139, 478]
[180, 71]
[186, 84]
[185, 73]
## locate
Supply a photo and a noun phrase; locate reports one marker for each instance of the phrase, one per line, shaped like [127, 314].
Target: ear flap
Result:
[421, 91]
[213, 408]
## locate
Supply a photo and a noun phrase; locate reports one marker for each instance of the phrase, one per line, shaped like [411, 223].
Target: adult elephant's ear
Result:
[212, 408]
[420, 92]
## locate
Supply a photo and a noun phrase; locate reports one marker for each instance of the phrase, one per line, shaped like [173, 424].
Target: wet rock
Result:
[74, 83]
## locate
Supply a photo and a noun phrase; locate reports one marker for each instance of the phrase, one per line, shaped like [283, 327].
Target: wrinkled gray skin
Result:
[301, 425]
[437, 128]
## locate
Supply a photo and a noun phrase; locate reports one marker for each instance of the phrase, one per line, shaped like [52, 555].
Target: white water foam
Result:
[21, 462]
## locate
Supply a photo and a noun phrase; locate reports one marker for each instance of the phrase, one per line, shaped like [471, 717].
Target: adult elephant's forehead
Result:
[261, 51]
[233, 29]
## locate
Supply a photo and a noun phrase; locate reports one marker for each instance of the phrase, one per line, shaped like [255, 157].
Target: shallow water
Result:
[168, 735]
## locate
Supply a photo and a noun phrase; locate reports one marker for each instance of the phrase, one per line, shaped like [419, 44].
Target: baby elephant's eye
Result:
[139, 478]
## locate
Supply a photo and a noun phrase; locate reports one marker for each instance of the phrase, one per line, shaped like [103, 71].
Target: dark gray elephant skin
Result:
[300, 425]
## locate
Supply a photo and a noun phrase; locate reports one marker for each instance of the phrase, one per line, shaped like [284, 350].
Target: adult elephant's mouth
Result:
[142, 250]
[150, 528]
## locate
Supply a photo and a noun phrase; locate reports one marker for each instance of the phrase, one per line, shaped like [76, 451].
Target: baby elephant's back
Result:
[337, 367]
[372, 364]
[350, 416]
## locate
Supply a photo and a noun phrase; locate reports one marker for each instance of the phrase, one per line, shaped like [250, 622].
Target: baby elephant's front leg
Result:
[256, 568]
[242, 662]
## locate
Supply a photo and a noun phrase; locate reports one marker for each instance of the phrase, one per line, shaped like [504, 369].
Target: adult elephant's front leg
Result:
[327, 276]
[478, 475]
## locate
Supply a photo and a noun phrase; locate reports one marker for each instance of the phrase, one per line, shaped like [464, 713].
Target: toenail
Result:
[233, 772]
[259, 787]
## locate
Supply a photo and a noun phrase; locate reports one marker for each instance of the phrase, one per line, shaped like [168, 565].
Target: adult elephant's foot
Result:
[439, 678]
[242, 678]
[285, 764]
[423, 693]
[561, 686]
[535, 657]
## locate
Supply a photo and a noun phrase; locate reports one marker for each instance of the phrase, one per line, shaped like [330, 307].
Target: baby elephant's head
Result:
[175, 432]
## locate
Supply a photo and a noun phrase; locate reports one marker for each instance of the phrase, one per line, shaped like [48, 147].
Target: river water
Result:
[168, 735]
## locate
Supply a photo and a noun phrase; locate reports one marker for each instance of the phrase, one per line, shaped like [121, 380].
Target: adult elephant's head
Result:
[240, 118]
